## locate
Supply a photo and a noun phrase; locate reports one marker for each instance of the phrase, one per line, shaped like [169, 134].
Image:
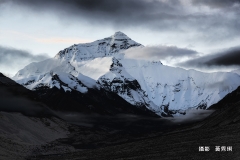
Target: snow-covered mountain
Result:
[101, 64]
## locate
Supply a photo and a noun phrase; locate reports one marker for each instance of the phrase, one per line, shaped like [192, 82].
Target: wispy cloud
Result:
[62, 40]
[217, 3]
[14, 59]
[49, 40]
[9, 55]
[160, 52]
[227, 57]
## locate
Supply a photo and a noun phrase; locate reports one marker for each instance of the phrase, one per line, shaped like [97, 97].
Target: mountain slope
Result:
[22, 135]
[180, 89]
[26, 124]
[102, 65]
[16, 98]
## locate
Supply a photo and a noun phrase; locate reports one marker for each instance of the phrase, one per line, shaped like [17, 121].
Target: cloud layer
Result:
[160, 52]
[117, 12]
[228, 57]
[9, 55]
[15, 59]
[160, 15]
[216, 3]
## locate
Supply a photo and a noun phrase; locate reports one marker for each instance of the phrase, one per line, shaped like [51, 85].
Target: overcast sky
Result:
[200, 34]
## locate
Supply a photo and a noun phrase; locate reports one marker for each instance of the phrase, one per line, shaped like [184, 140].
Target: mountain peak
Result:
[99, 48]
[120, 35]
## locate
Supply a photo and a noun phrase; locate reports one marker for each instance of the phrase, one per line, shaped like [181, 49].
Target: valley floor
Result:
[177, 145]
[221, 128]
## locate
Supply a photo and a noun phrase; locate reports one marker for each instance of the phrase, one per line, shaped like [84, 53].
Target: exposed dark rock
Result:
[100, 102]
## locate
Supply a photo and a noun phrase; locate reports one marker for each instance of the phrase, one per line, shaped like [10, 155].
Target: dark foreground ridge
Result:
[16, 98]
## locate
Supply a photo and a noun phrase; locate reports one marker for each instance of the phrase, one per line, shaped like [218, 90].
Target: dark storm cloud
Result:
[228, 57]
[117, 12]
[169, 15]
[115, 7]
[159, 52]
[216, 3]
[11, 56]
